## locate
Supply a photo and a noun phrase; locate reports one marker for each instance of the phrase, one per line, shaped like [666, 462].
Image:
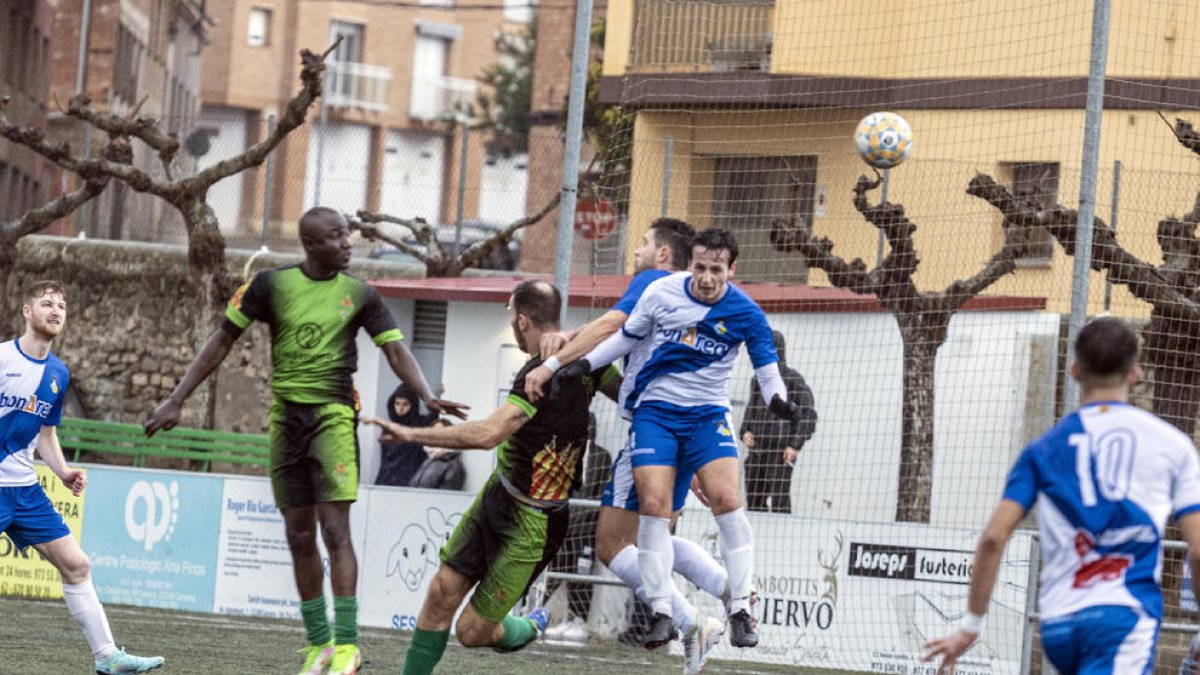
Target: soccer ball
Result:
[883, 139]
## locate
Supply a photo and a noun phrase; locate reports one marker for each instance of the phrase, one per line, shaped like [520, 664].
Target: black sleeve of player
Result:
[375, 317]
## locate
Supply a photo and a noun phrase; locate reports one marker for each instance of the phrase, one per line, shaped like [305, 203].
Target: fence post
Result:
[1112, 221]
[570, 173]
[1087, 190]
[268, 178]
[666, 183]
[462, 184]
[1031, 585]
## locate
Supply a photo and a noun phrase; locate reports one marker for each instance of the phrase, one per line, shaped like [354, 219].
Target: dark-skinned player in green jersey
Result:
[314, 311]
[519, 519]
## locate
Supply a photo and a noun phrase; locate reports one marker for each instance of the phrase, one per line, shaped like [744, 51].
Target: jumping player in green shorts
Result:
[519, 519]
[314, 311]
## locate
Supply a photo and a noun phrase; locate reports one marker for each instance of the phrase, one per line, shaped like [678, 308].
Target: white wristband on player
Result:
[552, 363]
[973, 623]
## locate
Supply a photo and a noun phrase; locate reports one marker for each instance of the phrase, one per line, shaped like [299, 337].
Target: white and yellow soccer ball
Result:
[883, 139]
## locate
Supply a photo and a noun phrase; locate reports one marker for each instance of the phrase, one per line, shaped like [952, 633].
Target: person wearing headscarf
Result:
[399, 461]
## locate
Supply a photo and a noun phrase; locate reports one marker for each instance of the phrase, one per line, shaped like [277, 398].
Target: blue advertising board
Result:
[152, 536]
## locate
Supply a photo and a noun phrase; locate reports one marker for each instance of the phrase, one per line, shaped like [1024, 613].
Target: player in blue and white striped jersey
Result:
[1105, 479]
[33, 385]
[696, 323]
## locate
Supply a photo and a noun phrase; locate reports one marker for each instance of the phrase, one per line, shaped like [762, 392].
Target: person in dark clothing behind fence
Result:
[398, 462]
[443, 470]
[576, 554]
[773, 443]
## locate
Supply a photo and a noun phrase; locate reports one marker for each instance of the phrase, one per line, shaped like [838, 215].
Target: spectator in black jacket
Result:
[399, 461]
[773, 443]
[443, 470]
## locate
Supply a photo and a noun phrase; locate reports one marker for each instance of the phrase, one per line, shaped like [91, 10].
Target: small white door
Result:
[345, 167]
[413, 167]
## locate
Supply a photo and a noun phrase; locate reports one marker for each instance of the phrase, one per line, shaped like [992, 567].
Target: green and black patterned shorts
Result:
[314, 453]
[503, 545]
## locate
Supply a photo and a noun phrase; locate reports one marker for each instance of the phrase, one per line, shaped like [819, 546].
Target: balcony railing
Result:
[357, 85]
[438, 97]
[692, 35]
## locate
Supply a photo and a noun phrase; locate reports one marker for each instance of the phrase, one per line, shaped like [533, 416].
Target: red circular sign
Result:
[595, 218]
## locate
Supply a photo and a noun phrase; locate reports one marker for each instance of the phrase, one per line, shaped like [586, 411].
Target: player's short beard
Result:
[516, 329]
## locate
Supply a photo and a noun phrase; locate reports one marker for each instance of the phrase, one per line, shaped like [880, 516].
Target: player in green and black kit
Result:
[518, 520]
[314, 311]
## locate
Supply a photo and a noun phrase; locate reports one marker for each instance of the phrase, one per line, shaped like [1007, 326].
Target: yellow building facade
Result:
[757, 105]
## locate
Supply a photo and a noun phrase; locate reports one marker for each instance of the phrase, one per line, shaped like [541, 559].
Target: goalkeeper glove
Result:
[784, 409]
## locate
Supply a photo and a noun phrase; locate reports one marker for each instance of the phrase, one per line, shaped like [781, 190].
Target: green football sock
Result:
[518, 632]
[425, 651]
[316, 622]
[345, 620]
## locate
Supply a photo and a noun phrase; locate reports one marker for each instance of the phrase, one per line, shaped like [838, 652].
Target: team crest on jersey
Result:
[347, 307]
[54, 384]
[724, 430]
[721, 328]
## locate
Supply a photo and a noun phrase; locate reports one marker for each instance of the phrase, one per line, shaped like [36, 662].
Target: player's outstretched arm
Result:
[988, 554]
[51, 452]
[406, 368]
[482, 434]
[584, 341]
[167, 414]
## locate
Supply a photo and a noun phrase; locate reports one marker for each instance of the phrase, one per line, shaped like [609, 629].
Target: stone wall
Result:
[134, 323]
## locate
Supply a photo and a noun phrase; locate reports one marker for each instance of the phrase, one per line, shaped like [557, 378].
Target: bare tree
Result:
[1172, 338]
[923, 319]
[188, 195]
[439, 261]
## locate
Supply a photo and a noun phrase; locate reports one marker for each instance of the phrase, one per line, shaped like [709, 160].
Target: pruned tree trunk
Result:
[922, 338]
[1171, 353]
[923, 319]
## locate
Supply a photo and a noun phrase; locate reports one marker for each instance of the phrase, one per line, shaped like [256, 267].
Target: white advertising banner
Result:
[254, 565]
[866, 597]
[406, 529]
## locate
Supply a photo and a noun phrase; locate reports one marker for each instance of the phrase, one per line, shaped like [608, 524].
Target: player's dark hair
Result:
[1106, 350]
[676, 234]
[39, 288]
[539, 301]
[716, 239]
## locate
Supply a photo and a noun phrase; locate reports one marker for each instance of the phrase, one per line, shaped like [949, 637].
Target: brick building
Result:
[25, 34]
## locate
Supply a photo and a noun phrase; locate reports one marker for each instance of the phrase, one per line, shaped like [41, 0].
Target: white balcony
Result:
[357, 85]
[440, 97]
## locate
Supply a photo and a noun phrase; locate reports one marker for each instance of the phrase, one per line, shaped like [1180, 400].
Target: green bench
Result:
[78, 435]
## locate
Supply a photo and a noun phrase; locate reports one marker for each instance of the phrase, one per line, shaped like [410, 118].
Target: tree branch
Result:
[477, 251]
[312, 78]
[61, 155]
[893, 276]
[787, 237]
[1142, 279]
[1186, 135]
[144, 129]
[37, 219]
[369, 230]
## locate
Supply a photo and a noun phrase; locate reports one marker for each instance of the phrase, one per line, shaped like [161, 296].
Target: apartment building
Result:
[389, 133]
[25, 34]
[136, 51]
[746, 111]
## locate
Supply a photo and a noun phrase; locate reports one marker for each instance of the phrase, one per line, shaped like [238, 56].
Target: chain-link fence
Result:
[468, 182]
